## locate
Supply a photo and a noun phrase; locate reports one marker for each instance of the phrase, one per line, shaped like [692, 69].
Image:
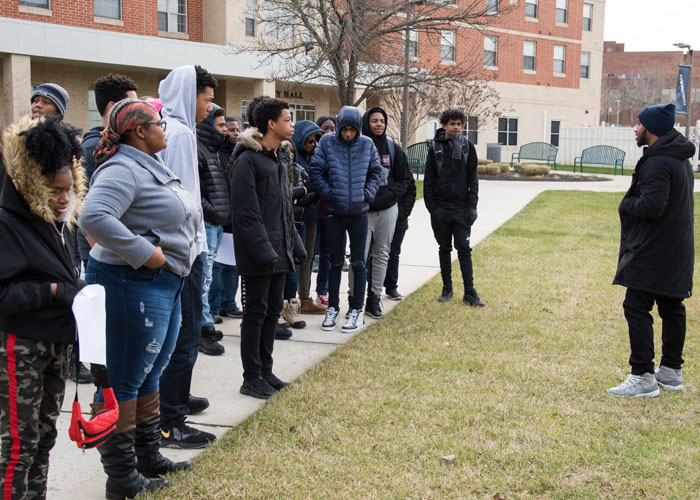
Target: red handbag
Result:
[103, 424]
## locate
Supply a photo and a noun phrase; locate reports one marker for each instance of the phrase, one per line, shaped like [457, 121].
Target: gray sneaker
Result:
[637, 386]
[330, 319]
[669, 378]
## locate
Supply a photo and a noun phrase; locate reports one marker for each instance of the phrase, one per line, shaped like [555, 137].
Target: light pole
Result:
[617, 121]
[689, 85]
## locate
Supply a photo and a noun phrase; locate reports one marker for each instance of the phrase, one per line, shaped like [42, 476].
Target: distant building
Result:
[545, 56]
[637, 79]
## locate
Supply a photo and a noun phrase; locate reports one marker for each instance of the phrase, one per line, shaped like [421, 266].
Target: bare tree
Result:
[359, 44]
[635, 91]
[473, 97]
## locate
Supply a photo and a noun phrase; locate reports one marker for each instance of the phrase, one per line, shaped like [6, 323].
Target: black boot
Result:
[119, 461]
[147, 444]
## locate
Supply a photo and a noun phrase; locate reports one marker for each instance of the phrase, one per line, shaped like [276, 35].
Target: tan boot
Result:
[308, 306]
[290, 313]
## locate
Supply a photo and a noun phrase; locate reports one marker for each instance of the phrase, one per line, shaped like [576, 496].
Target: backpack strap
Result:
[439, 155]
[390, 143]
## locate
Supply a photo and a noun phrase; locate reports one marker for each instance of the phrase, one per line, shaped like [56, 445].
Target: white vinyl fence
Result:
[574, 140]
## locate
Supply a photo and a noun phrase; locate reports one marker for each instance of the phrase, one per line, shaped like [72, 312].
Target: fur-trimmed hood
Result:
[29, 189]
[251, 138]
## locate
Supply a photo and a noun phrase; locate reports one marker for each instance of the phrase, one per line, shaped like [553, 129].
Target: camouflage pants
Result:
[32, 384]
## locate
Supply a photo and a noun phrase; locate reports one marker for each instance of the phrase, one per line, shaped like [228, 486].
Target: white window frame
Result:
[412, 43]
[531, 3]
[552, 134]
[274, 30]
[586, 56]
[562, 12]
[587, 26]
[173, 18]
[492, 59]
[529, 44]
[492, 6]
[119, 3]
[562, 59]
[302, 112]
[448, 49]
[36, 4]
[249, 18]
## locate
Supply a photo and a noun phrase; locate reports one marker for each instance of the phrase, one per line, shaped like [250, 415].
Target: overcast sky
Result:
[653, 25]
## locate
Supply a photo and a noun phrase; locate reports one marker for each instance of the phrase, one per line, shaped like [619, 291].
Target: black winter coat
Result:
[32, 253]
[657, 251]
[406, 203]
[216, 198]
[266, 241]
[457, 184]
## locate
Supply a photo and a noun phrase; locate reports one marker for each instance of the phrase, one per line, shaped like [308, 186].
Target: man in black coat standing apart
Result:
[657, 251]
[267, 244]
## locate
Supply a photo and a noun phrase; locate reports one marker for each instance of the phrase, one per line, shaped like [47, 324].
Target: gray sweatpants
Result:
[380, 232]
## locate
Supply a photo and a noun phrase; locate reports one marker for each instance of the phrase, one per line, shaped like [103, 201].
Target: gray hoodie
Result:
[178, 94]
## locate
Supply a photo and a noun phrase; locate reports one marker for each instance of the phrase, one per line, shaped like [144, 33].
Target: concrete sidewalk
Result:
[74, 474]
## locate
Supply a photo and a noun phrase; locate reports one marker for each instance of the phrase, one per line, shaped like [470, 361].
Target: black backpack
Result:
[439, 154]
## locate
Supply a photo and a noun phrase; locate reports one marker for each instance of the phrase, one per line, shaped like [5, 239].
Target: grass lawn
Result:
[419, 189]
[515, 392]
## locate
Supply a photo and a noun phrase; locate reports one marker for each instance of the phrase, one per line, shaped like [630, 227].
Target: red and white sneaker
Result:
[323, 299]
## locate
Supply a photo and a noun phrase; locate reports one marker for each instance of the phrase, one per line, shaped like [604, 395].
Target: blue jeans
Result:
[143, 319]
[214, 234]
[292, 279]
[177, 378]
[391, 281]
[223, 289]
[356, 227]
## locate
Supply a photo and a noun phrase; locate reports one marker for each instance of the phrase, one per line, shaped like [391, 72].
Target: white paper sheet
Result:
[226, 255]
[91, 317]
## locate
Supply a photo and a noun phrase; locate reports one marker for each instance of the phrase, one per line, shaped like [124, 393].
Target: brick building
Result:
[544, 56]
[640, 78]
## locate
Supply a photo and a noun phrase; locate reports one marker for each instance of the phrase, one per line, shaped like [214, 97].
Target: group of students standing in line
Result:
[154, 190]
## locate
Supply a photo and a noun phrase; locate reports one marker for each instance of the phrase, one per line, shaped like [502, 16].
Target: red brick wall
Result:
[140, 17]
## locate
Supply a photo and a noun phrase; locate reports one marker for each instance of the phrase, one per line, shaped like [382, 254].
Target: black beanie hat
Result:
[658, 119]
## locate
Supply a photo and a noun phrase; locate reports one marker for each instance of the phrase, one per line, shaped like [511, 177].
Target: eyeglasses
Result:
[312, 140]
[162, 124]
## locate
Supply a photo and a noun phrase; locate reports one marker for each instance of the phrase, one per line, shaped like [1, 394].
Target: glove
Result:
[66, 292]
[471, 216]
[270, 265]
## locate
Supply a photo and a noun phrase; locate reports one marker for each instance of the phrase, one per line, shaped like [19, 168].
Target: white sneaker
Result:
[330, 319]
[637, 386]
[355, 321]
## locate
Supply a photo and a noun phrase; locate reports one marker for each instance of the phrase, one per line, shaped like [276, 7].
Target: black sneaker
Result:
[282, 332]
[446, 295]
[257, 388]
[196, 404]
[373, 308]
[217, 319]
[394, 295]
[83, 376]
[472, 298]
[185, 437]
[233, 312]
[274, 382]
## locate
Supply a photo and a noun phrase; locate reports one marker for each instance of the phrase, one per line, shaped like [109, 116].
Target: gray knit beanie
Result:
[55, 92]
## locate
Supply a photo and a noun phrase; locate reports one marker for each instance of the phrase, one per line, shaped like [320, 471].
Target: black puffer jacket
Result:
[406, 203]
[657, 249]
[263, 228]
[456, 186]
[216, 199]
[32, 253]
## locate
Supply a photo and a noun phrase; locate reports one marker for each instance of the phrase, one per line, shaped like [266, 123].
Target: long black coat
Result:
[216, 199]
[264, 236]
[657, 245]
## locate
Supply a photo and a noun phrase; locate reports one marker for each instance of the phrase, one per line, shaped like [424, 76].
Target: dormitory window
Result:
[172, 16]
[492, 6]
[529, 51]
[111, 9]
[412, 43]
[531, 9]
[42, 4]
[560, 59]
[585, 64]
[447, 45]
[490, 51]
[471, 129]
[302, 112]
[249, 17]
[554, 136]
[562, 11]
[276, 24]
[587, 17]
[508, 131]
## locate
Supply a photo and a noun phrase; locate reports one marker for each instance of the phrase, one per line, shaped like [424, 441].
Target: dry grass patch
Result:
[516, 391]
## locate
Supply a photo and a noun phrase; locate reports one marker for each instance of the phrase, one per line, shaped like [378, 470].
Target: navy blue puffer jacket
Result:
[346, 174]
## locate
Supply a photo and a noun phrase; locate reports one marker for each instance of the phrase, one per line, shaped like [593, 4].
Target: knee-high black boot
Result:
[150, 462]
[118, 457]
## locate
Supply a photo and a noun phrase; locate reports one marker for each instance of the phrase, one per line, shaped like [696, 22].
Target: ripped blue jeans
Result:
[143, 320]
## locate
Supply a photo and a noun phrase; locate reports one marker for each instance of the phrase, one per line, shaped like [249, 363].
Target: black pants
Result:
[262, 308]
[448, 224]
[177, 378]
[637, 306]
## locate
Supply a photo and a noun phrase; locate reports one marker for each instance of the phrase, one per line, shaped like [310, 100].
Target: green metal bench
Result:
[417, 155]
[541, 151]
[601, 155]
